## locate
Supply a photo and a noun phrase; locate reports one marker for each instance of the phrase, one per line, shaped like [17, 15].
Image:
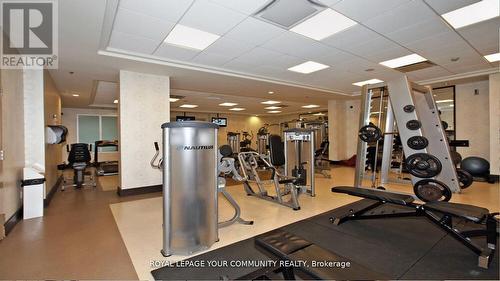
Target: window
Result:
[92, 128]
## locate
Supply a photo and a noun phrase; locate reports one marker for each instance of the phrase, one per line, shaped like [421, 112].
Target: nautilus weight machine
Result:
[423, 138]
[299, 157]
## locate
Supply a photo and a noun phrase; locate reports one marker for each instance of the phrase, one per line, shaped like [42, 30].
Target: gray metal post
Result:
[366, 95]
[388, 142]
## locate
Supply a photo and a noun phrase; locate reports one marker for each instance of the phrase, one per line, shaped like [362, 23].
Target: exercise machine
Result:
[192, 166]
[299, 157]
[78, 160]
[321, 146]
[442, 214]
[105, 168]
[422, 136]
[233, 140]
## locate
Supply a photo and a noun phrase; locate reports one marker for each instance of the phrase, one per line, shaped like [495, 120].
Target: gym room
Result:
[249, 139]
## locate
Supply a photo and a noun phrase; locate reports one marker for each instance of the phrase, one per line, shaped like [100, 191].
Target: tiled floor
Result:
[140, 221]
[94, 234]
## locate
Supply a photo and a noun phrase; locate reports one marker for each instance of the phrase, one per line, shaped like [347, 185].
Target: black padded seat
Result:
[468, 212]
[285, 181]
[395, 198]
[281, 243]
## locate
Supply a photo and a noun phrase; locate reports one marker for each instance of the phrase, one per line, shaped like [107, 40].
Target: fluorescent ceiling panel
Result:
[310, 106]
[323, 25]
[367, 82]
[271, 102]
[493, 57]
[477, 12]
[308, 67]
[274, 111]
[403, 61]
[115, 101]
[173, 99]
[237, 109]
[443, 101]
[188, 37]
[228, 104]
[272, 107]
[188, 106]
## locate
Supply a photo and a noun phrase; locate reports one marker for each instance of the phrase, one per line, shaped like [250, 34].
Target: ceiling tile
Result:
[142, 25]
[255, 32]
[246, 7]
[402, 16]
[228, 47]
[483, 36]
[444, 6]
[429, 73]
[363, 10]
[210, 17]
[418, 31]
[171, 52]
[378, 50]
[355, 35]
[133, 43]
[297, 45]
[171, 10]
[260, 56]
[329, 2]
[210, 59]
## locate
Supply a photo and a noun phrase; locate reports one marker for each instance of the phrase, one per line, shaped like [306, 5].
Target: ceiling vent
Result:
[288, 13]
[416, 66]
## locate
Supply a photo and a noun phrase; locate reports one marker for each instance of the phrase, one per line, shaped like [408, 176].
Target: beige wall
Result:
[235, 123]
[12, 140]
[53, 152]
[343, 125]
[472, 113]
[144, 101]
[494, 103]
[69, 119]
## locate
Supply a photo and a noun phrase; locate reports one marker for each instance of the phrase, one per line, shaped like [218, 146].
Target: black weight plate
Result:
[430, 190]
[370, 133]
[464, 178]
[413, 125]
[455, 157]
[417, 142]
[423, 165]
[444, 124]
[409, 108]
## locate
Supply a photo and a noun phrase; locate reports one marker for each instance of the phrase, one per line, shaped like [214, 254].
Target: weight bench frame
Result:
[427, 210]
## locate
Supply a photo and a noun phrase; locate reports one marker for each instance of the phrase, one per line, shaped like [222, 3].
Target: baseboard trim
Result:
[13, 220]
[139, 190]
[52, 192]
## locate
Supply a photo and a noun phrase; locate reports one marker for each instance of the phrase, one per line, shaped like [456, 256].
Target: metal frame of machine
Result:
[298, 137]
[409, 104]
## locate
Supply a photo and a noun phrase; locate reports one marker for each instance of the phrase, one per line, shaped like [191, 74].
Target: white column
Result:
[494, 103]
[143, 107]
[343, 118]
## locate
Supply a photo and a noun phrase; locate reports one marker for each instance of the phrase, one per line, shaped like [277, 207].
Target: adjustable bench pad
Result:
[468, 212]
[395, 198]
[320, 263]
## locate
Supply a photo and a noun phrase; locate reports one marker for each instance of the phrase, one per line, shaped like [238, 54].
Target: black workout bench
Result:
[439, 213]
[295, 255]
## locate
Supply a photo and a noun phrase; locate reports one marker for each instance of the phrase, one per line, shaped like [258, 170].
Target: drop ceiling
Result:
[252, 56]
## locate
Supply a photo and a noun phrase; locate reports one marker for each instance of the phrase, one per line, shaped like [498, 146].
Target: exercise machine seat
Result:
[468, 212]
[277, 151]
[395, 198]
[282, 245]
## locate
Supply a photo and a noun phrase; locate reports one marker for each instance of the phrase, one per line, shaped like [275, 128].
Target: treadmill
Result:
[105, 168]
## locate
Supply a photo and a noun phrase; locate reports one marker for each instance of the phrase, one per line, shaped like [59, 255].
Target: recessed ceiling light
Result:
[174, 99]
[270, 92]
[443, 101]
[273, 107]
[228, 104]
[308, 67]
[403, 61]
[115, 101]
[237, 109]
[271, 102]
[310, 106]
[324, 24]
[188, 106]
[75, 95]
[493, 57]
[190, 37]
[474, 13]
[367, 82]
[274, 111]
